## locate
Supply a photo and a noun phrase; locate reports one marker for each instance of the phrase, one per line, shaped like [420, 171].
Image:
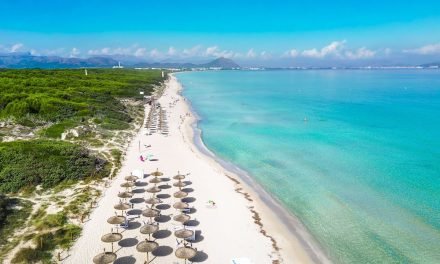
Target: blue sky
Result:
[282, 33]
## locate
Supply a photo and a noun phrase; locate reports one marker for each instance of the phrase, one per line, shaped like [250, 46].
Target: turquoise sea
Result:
[354, 154]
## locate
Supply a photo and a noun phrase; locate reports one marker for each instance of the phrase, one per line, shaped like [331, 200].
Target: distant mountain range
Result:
[20, 60]
[431, 65]
[26, 60]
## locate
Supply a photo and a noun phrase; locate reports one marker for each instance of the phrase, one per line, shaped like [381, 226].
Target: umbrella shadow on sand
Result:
[125, 260]
[163, 206]
[163, 196]
[134, 212]
[141, 184]
[200, 257]
[140, 190]
[162, 251]
[128, 242]
[162, 234]
[162, 218]
[164, 186]
[137, 200]
[188, 199]
[192, 222]
[188, 190]
[192, 211]
[187, 182]
[133, 225]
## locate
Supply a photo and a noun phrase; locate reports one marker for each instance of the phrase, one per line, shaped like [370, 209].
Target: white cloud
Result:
[425, 50]
[361, 53]
[293, 53]
[313, 53]
[333, 49]
[133, 50]
[34, 52]
[336, 49]
[154, 53]
[16, 47]
[102, 51]
[211, 51]
[172, 51]
[265, 55]
[140, 52]
[74, 53]
[251, 54]
[214, 51]
[13, 48]
[192, 51]
[387, 51]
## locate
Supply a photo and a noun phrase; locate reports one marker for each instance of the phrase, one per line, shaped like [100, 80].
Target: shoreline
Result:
[267, 203]
[239, 225]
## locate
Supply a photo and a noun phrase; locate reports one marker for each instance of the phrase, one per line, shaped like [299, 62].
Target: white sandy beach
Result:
[225, 232]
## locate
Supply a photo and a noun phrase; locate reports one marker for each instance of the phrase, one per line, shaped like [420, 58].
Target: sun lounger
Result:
[193, 237]
[124, 225]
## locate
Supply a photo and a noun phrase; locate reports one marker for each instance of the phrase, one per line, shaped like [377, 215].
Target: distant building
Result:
[118, 66]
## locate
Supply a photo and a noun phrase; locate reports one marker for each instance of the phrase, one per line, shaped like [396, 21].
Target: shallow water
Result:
[354, 154]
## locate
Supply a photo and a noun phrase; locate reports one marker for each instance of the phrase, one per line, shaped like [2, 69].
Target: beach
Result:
[240, 225]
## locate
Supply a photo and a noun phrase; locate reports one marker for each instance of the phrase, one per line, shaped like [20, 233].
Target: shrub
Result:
[30, 255]
[45, 162]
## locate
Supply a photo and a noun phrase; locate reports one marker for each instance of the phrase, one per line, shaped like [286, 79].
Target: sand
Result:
[245, 223]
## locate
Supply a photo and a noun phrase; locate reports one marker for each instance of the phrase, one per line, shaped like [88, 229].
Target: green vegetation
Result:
[45, 104]
[56, 130]
[51, 221]
[79, 206]
[46, 242]
[13, 215]
[45, 162]
[30, 255]
[35, 97]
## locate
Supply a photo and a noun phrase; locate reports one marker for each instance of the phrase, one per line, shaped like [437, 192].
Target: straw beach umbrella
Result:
[179, 176]
[152, 201]
[182, 218]
[122, 206]
[179, 184]
[116, 220]
[131, 178]
[111, 238]
[150, 213]
[105, 258]
[180, 194]
[146, 247]
[149, 229]
[154, 189]
[125, 195]
[127, 184]
[184, 233]
[155, 180]
[180, 205]
[185, 253]
[156, 173]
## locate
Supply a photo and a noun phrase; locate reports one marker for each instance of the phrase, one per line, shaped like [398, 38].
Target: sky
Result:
[254, 33]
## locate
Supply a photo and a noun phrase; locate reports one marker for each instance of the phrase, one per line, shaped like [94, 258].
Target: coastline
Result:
[240, 225]
[280, 224]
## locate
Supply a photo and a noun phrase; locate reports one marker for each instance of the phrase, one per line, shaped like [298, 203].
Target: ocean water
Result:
[354, 154]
